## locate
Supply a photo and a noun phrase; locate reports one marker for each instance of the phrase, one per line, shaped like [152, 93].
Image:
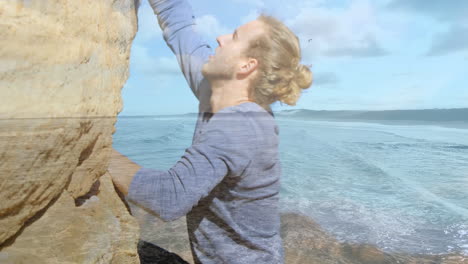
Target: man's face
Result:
[228, 56]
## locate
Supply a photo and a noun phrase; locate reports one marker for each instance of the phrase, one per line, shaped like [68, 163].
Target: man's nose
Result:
[220, 39]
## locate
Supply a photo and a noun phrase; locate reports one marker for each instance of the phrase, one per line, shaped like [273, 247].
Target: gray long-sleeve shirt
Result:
[227, 182]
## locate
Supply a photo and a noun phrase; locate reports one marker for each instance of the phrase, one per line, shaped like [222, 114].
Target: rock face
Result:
[98, 231]
[62, 66]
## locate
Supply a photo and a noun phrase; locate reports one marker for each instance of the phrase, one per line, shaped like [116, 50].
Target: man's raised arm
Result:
[177, 21]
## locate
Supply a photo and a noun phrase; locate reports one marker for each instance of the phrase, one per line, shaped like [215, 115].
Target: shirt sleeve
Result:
[225, 149]
[177, 23]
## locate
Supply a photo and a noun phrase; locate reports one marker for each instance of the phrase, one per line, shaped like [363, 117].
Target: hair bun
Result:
[303, 76]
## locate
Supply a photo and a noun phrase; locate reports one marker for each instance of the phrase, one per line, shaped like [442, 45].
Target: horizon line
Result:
[356, 110]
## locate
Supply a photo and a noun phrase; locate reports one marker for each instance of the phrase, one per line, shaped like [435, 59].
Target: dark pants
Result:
[152, 254]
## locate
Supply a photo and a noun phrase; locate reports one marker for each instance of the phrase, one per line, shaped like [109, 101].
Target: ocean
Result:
[402, 188]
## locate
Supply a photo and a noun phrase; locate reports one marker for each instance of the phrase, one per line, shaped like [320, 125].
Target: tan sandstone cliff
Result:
[63, 64]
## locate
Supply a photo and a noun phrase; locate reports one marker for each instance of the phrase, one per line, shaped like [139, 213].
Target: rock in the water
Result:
[305, 242]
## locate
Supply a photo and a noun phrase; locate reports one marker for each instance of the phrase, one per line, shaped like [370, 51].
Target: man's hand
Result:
[122, 170]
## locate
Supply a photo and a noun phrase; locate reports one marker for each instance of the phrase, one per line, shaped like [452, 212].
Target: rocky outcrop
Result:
[305, 242]
[100, 230]
[63, 64]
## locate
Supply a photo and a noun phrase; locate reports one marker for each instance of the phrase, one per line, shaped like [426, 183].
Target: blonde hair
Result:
[280, 75]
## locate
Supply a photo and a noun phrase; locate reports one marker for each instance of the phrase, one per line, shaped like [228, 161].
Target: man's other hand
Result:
[122, 170]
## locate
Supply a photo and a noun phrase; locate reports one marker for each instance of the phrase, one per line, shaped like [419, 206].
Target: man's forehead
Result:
[250, 28]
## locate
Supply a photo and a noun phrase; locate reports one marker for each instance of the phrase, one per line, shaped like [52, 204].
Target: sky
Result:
[365, 55]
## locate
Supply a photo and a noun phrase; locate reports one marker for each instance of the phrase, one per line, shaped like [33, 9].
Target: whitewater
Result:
[402, 188]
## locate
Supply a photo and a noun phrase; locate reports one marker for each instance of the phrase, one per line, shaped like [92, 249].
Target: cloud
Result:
[325, 78]
[452, 13]
[453, 40]
[210, 27]
[441, 10]
[350, 31]
[142, 62]
[258, 3]
[367, 47]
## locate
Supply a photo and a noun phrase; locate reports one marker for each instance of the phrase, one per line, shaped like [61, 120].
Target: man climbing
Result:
[227, 182]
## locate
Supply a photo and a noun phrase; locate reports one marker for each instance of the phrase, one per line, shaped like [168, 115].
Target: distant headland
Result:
[428, 115]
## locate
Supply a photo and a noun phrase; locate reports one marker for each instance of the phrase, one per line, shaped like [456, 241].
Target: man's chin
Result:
[207, 72]
[210, 72]
[204, 71]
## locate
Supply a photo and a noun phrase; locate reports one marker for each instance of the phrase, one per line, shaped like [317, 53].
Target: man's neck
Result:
[225, 94]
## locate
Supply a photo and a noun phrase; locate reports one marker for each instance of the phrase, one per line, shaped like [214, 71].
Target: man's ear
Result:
[248, 66]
